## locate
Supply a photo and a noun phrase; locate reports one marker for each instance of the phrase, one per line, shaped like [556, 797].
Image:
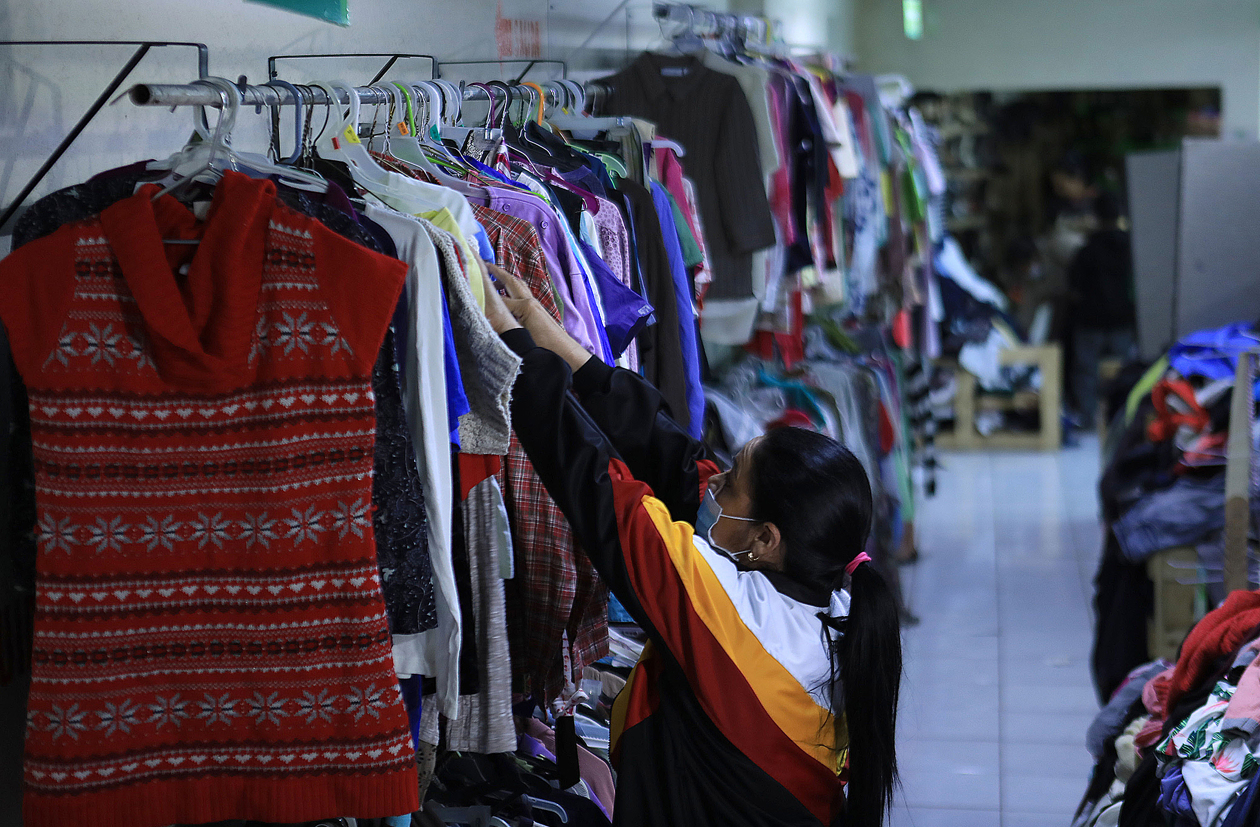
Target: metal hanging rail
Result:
[143, 48]
[196, 94]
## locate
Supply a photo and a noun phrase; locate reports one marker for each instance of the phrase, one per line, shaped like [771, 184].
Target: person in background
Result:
[1024, 280]
[770, 680]
[1101, 282]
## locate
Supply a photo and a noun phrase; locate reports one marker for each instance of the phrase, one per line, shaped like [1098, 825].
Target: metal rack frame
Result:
[143, 48]
[393, 58]
[531, 63]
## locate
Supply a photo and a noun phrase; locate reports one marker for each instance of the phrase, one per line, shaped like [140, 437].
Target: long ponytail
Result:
[869, 655]
[817, 493]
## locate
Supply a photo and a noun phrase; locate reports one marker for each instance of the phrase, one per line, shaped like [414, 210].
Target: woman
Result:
[737, 713]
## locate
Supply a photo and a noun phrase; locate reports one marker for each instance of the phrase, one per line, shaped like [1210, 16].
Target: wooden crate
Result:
[969, 399]
[1177, 604]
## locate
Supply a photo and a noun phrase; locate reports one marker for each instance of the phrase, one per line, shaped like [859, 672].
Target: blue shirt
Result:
[686, 310]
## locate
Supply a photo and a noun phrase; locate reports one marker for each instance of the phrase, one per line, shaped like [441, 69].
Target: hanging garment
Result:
[434, 653]
[485, 721]
[708, 114]
[753, 80]
[553, 588]
[245, 381]
[399, 525]
[488, 368]
[661, 344]
[689, 341]
[81, 201]
[578, 317]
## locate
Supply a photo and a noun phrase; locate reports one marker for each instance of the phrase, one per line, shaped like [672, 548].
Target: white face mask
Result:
[710, 513]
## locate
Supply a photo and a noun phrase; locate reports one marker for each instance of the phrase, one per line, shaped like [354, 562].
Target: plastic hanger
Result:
[207, 160]
[459, 133]
[297, 121]
[507, 105]
[541, 101]
[563, 94]
[613, 162]
[586, 124]
[490, 95]
[547, 806]
[666, 143]
[340, 140]
[433, 111]
[199, 160]
[405, 146]
[429, 130]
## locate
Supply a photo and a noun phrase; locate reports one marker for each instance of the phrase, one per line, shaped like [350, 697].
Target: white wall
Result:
[1070, 44]
[44, 90]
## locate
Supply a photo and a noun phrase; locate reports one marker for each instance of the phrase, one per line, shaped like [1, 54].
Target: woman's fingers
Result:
[515, 288]
[498, 313]
[518, 307]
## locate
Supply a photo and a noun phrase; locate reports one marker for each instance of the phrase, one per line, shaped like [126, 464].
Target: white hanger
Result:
[407, 149]
[206, 161]
[340, 140]
[459, 133]
[432, 112]
[666, 143]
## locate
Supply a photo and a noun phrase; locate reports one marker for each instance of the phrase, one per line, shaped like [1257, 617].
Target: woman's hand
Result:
[497, 312]
[526, 311]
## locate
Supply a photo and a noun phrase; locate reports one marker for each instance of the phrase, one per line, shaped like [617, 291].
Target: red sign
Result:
[517, 38]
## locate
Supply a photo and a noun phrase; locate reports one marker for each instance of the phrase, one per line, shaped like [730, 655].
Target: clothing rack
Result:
[196, 94]
[142, 48]
[705, 23]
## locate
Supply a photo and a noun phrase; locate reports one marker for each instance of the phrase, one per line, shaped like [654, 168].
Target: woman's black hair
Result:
[817, 494]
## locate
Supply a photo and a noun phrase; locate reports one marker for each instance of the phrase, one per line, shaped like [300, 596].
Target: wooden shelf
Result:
[968, 173]
[961, 130]
[1021, 401]
[970, 222]
[967, 401]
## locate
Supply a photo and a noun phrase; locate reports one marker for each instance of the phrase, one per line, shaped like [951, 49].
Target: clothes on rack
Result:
[707, 112]
[210, 379]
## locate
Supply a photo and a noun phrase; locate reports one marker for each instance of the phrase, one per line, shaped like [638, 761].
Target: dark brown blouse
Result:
[706, 112]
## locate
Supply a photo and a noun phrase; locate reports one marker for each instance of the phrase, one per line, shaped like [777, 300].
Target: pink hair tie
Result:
[855, 562]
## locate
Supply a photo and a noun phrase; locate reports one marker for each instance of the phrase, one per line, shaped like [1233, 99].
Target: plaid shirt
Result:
[555, 589]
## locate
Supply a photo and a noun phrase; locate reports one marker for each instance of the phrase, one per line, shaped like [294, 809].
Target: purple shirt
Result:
[580, 320]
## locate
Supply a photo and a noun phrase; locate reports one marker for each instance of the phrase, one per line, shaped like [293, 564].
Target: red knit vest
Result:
[210, 636]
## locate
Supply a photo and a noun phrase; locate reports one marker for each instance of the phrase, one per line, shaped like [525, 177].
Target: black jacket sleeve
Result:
[572, 456]
[635, 417]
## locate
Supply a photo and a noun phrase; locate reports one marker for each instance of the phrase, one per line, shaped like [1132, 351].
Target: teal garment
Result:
[904, 445]
[693, 256]
[799, 396]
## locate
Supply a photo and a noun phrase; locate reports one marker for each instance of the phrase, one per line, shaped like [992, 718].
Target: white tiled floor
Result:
[996, 696]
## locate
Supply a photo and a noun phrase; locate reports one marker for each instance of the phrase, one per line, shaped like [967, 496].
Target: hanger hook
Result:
[312, 139]
[507, 106]
[485, 87]
[298, 131]
[457, 101]
[410, 110]
[440, 91]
